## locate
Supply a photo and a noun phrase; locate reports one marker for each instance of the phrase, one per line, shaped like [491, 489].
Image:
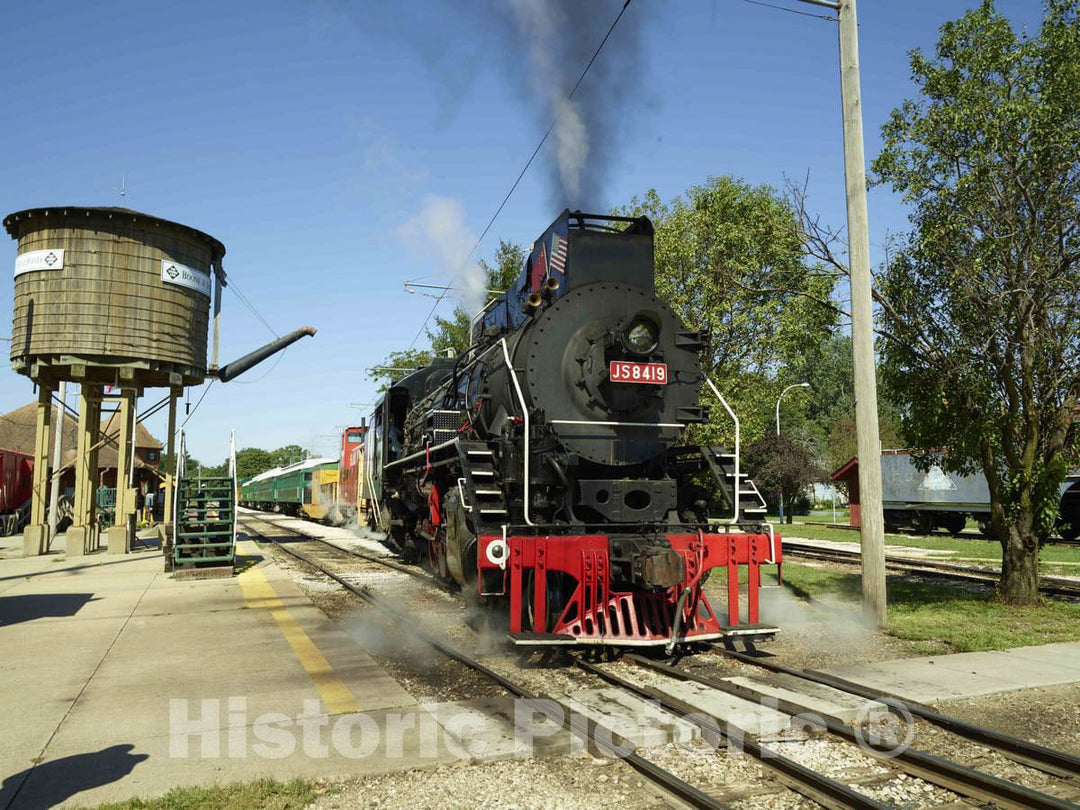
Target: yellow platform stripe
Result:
[259, 593]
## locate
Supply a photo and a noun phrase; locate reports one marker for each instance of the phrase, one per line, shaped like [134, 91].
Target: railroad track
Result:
[802, 780]
[1059, 763]
[590, 733]
[1049, 585]
[960, 779]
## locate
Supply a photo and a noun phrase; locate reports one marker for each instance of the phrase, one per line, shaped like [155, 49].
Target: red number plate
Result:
[623, 371]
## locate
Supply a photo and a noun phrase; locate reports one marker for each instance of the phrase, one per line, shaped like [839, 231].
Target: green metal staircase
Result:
[204, 534]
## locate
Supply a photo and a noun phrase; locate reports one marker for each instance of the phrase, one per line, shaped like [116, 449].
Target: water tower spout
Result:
[238, 367]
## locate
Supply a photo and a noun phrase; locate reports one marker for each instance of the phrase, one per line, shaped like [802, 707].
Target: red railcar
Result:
[16, 474]
[351, 471]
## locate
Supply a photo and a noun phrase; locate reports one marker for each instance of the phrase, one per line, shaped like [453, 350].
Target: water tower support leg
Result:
[120, 533]
[80, 536]
[95, 472]
[36, 535]
[165, 527]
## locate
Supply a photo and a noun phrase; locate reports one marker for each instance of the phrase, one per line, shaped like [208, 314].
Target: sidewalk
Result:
[119, 681]
[951, 677]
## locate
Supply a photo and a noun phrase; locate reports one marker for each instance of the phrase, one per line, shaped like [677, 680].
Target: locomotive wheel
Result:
[560, 587]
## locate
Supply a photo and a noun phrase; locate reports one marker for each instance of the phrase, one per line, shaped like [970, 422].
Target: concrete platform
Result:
[951, 677]
[120, 681]
[492, 728]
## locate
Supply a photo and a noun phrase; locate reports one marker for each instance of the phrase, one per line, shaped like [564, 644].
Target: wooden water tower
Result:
[117, 301]
[107, 297]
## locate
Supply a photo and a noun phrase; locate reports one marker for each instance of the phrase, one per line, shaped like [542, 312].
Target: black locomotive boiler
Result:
[543, 469]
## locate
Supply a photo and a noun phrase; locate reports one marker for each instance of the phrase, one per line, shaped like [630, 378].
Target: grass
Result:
[262, 794]
[973, 549]
[939, 618]
[824, 516]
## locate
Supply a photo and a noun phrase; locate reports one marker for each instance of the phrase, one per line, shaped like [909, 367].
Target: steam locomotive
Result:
[542, 470]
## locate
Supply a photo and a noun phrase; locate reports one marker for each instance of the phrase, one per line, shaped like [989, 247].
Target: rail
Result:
[1025, 751]
[588, 731]
[945, 773]
[616, 424]
[180, 469]
[232, 475]
[1054, 586]
[815, 786]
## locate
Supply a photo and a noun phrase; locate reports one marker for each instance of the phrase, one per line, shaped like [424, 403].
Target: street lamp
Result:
[794, 385]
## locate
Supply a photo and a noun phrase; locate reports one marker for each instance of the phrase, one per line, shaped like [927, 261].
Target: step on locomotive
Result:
[542, 470]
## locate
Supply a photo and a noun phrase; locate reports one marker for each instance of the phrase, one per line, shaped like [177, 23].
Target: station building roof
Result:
[18, 429]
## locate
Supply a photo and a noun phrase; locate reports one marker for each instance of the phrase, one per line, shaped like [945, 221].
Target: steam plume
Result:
[439, 229]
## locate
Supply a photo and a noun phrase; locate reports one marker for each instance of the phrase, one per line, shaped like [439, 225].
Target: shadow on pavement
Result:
[54, 782]
[27, 607]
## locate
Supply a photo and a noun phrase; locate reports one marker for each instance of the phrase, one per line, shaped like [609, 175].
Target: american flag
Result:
[558, 253]
[539, 270]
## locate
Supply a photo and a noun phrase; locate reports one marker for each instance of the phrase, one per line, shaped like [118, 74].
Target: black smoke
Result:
[548, 43]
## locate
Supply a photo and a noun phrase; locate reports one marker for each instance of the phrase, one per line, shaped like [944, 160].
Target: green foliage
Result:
[982, 306]
[251, 461]
[509, 261]
[729, 260]
[289, 454]
[782, 464]
[843, 439]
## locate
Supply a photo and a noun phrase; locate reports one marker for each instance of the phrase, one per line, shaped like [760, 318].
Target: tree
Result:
[251, 461]
[289, 454]
[453, 334]
[729, 261]
[843, 440]
[981, 307]
[782, 464]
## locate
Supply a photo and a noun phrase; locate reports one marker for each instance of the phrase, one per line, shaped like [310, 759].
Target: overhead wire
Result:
[793, 11]
[197, 404]
[528, 163]
[244, 300]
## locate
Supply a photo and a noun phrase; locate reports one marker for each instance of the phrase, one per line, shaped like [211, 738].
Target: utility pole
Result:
[872, 528]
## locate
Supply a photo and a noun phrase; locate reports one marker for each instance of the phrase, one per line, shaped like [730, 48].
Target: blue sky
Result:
[305, 135]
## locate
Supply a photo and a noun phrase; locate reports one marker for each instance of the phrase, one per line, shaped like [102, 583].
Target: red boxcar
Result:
[16, 473]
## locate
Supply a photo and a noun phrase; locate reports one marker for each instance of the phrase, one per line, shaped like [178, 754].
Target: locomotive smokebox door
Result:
[569, 353]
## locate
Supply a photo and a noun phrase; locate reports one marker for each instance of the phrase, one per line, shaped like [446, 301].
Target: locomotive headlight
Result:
[641, 336]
